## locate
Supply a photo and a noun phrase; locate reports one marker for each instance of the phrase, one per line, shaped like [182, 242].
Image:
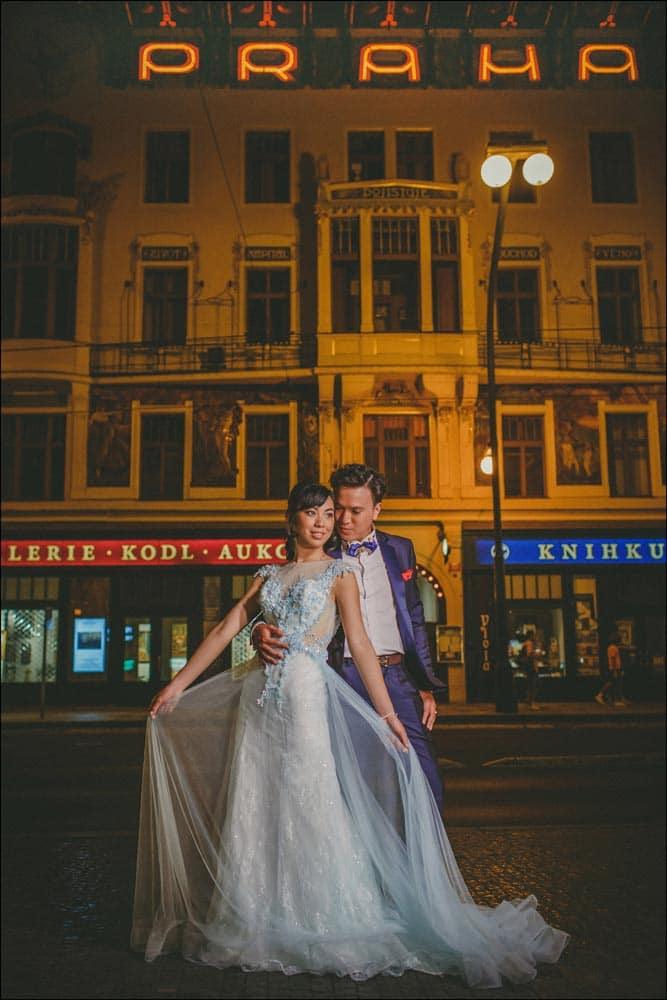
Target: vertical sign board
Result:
[89, 647]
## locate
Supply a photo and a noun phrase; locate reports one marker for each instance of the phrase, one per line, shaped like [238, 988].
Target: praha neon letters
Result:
[377, 59]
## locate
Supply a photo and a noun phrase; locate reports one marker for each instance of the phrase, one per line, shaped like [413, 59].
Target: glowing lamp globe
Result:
[496, 171]
[538, 169]
[486, 465]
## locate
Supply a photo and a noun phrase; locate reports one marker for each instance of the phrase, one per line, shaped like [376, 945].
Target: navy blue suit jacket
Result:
[400, 561]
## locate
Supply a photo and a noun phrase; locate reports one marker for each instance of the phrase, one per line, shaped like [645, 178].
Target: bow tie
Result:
[355, 547]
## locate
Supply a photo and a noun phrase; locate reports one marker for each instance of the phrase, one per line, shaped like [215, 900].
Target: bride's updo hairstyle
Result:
[303, 496]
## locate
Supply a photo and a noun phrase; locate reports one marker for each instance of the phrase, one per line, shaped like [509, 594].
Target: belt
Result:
[386, 660]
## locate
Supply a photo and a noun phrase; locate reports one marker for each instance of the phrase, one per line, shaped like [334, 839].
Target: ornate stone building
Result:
[244, 243]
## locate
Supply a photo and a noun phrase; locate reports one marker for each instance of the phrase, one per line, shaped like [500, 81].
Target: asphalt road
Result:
[76, 781]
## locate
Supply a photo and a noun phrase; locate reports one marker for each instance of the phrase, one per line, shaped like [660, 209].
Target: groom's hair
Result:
[360, 475]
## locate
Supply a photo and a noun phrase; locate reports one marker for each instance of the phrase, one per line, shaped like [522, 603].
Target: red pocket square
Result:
[407, 574]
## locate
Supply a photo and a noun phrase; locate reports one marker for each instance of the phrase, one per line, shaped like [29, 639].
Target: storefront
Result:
[569, 592]
[110, 619]
[99, 620]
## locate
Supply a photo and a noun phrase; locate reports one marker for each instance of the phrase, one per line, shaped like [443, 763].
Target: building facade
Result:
[246, 243]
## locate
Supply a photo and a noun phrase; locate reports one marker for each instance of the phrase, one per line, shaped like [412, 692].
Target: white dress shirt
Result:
[377, 601]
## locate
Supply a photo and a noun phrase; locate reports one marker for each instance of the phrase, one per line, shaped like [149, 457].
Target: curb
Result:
[588, 760]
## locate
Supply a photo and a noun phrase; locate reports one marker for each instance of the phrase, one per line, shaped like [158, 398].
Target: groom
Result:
[391, 609]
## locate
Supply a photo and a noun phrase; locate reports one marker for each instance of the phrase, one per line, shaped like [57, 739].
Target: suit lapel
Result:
[397, 588]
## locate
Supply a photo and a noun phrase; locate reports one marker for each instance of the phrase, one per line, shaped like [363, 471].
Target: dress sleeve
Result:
[265, 571]
[340, 568]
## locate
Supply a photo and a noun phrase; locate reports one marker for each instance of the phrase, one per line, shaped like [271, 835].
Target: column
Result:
[366, 270]
[425, 271]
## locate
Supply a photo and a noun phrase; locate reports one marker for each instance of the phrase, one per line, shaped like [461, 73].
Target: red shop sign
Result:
[46, 553]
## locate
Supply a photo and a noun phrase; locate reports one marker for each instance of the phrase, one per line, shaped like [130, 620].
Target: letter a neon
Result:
[586, 67]
[367, 65]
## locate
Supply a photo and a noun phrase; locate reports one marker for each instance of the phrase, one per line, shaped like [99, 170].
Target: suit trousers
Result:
[408, 705]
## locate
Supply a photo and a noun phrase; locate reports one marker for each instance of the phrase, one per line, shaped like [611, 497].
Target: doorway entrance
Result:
[158, 613]
[155, 647]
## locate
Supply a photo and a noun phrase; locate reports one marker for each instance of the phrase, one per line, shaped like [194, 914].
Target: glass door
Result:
[155, 647]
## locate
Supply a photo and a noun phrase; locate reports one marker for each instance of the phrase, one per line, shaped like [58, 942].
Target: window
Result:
[267, 456]
[395, 274]
[612, 160]
[162, 456]
[165, 305]
[444, 251]
[619, 307]
[268, 305]
[33, 456]
[365, 156]
[267, 167]
[627, 450]
[44, 163]
[345, 288]
[517, 305]
[414, 155]
[39, 271]
[30, 645]
[167, 167]
[523, 456]
[398, 447]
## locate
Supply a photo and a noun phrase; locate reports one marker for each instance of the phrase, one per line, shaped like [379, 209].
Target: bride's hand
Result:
[164, 702]
[399, 731]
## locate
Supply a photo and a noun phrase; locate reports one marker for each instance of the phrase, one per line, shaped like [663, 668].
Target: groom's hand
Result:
[266, 640]
[430, 712]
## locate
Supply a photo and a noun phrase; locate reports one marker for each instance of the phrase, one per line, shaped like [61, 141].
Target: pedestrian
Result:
[261, 844]
[528, 660]
[612, 675]
[391, 609]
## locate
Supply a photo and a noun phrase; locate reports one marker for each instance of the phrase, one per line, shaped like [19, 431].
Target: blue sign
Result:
[89, 645]
[574, 551]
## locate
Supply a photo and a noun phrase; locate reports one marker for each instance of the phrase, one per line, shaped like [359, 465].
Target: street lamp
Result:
[497, 172]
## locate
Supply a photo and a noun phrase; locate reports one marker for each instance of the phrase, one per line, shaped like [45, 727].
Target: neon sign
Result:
[487, 67]
[368, 65]
[143, 552]
[147, 66]
[283, 70]
[377, 60]
[586, 67]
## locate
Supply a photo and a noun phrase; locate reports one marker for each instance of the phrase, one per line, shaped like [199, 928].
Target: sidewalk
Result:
[480, 713]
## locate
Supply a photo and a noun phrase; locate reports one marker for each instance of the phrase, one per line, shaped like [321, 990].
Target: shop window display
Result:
[29, 645]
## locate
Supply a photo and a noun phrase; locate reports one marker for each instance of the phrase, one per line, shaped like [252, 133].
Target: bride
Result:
[266, 839]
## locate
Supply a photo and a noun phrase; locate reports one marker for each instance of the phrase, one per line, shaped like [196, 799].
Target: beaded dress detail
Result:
[282, 829]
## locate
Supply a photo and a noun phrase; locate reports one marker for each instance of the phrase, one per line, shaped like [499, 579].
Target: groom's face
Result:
[356, 512]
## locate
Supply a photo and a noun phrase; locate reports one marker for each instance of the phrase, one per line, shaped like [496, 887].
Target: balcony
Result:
[200, 357]
[398, 349]
[568, 354]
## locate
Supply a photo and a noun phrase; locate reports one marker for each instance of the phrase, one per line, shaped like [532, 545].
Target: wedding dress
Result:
[282, 827]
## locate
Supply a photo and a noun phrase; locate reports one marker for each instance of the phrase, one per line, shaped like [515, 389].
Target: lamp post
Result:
[497, 172]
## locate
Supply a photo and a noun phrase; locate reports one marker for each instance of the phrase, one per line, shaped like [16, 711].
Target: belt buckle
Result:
[384, 661]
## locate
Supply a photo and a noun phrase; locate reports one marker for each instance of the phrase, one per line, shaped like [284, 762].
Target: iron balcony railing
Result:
[233, 354]
[576, 355]
[200, 356]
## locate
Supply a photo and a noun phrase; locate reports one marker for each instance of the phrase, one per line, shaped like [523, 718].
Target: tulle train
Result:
[296, 836]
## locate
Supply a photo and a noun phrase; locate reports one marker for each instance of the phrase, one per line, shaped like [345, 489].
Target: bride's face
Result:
[313, 527]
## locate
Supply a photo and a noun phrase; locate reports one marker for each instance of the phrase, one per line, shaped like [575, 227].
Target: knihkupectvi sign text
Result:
[573, 551]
